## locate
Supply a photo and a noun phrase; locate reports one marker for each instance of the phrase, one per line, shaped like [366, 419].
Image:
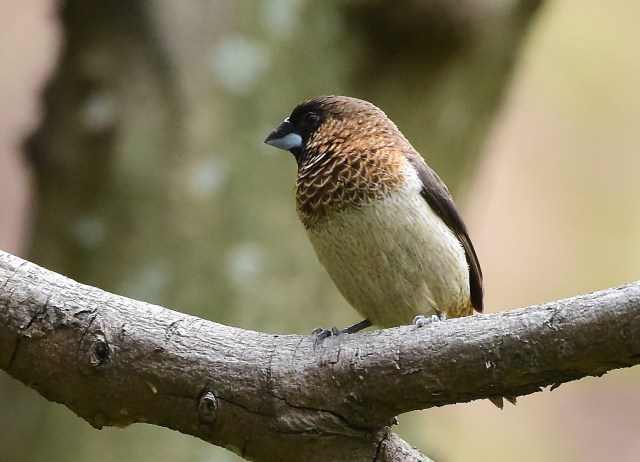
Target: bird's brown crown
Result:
[351, 155]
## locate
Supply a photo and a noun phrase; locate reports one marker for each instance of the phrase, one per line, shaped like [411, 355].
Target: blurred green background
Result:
[149, 179]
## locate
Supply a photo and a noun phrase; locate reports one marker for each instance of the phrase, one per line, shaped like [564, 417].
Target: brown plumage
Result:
[382, 223]
[340, 169]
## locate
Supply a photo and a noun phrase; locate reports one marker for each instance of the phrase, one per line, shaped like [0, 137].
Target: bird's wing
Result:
[439, 199]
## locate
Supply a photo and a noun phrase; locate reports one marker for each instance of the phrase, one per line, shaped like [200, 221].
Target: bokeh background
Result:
[148, 179]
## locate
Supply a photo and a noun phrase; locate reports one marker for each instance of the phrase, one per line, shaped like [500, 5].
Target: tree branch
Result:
[117, 361]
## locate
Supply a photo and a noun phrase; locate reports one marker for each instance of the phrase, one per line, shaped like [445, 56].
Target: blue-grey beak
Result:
[284, 137]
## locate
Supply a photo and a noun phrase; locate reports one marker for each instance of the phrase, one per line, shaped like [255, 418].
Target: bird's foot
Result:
[320, 333]
[421, 321]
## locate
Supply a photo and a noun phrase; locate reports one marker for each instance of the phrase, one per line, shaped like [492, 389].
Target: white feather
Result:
[394, 259]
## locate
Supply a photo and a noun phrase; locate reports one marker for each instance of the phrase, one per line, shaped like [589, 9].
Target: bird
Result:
[382, 223]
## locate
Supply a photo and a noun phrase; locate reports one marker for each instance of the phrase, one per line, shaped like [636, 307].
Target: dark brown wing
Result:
[439, 199]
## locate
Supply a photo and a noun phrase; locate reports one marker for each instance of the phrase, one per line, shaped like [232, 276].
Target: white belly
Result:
[394, 259]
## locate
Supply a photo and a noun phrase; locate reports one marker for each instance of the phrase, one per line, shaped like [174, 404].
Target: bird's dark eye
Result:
[311, 119]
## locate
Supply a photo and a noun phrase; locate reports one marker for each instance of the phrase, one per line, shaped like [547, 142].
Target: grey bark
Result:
[116, 361]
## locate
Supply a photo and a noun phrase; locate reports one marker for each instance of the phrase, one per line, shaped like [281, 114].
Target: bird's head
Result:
[328, 124]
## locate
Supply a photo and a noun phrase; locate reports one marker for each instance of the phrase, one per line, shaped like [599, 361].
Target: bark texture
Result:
[116, 361]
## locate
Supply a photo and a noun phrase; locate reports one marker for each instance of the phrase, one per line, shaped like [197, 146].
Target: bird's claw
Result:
[421, 321]
[320, 334]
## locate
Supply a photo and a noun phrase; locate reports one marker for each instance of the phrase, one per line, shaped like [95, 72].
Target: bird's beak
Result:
[284, 137]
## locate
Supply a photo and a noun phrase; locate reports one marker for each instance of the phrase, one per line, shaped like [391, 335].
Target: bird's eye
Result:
[311, 119]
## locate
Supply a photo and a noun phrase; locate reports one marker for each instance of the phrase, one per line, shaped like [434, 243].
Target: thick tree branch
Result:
[116, 361]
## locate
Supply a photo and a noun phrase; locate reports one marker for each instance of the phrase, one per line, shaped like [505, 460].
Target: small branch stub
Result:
[208, 407]
[94, 351]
